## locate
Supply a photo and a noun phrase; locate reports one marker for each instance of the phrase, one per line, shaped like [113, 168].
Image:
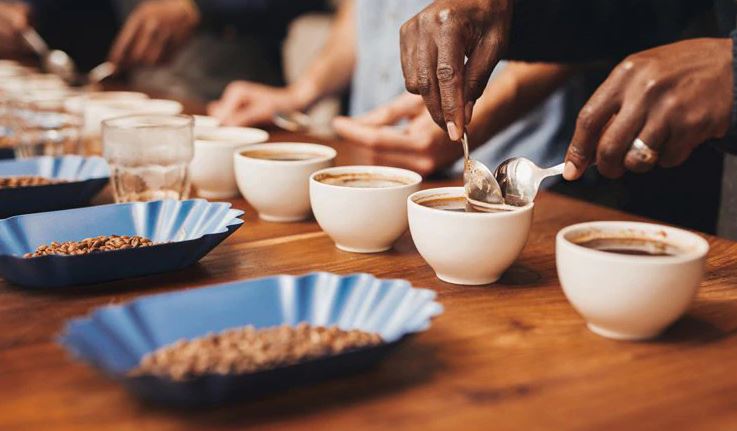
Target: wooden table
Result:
[513, 355]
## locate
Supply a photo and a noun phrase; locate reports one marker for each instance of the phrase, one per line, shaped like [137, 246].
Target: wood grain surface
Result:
[513, 355]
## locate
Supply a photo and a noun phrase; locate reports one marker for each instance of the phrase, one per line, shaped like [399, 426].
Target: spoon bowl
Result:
[482, 189]
[54, 61]
[519, 179]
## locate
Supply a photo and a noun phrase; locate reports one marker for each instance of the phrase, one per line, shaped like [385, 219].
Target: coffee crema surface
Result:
[457, 204]
[363, 180]
[281, 156]
[631, 246]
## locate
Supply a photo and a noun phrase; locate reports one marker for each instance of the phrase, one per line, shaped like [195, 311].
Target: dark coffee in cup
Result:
[456, 204]
[631, 246]
[282, 156]
[363, 180]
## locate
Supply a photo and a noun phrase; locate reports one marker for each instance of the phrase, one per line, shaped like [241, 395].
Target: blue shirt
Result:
[542, 135]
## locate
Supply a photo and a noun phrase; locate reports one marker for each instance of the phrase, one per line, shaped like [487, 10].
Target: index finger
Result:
[450, 78]
[592, 119]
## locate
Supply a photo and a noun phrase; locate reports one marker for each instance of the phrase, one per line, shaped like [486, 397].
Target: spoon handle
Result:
[464, 140]
[552, 171]
[34, 40]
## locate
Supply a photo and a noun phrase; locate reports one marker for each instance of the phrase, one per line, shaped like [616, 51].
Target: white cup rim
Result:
[459, 192]
[255, 136]
[413, 176]
[326, 153]
[696, 250]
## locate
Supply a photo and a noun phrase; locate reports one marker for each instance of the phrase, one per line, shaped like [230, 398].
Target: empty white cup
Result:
[468, 248]
[363, 219]
[212, 169]
[279, 189]
[629, 297]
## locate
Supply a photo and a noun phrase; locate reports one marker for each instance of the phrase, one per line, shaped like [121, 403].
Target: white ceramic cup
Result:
[205, 122]
[76, 104]
[211, 170]
[279, 189]
[363, 219]
[629, 297]
[97, 111]
[466, 248]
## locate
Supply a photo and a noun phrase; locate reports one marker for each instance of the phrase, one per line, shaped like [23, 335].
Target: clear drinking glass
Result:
[149, 156]
[39, 125]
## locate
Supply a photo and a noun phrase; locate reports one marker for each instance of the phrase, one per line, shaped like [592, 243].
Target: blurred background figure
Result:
[218, 41]
[362, 53]
[181, 48]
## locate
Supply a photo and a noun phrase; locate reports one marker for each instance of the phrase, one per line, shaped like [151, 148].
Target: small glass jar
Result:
[149, 156]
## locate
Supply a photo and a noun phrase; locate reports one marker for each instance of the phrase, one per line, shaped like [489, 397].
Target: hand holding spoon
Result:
[54, 61]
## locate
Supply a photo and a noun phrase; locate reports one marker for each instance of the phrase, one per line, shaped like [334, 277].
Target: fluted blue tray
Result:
[184, 230]
[86, 176]
[115, 338]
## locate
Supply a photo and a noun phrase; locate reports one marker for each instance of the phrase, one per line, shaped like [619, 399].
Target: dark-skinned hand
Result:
[673, 98]
[153, 31]
[434, 44]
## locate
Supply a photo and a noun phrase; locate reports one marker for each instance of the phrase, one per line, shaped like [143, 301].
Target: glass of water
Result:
[149, 156]
[39, 126]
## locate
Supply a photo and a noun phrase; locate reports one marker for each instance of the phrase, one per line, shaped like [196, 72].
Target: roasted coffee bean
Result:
[27, 181]
[89, 245]
[247, 349]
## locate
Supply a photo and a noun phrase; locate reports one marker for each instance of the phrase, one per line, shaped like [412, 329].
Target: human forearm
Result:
[518, 89]
[331, 71]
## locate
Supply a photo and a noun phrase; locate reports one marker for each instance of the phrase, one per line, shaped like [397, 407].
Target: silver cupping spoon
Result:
[520, 178]
[482, 189]
[53, 60]
[101, 72]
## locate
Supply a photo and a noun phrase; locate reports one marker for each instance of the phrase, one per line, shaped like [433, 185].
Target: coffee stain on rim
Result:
[362, 176]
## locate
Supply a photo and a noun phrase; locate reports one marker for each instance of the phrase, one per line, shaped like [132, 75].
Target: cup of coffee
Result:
[274, 177]
[462, 245]
[362, 208]
[212, 169]
[629, 280]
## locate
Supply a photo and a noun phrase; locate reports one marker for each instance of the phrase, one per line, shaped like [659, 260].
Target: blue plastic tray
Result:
[115, 338]
[186, 231]
[86, 176]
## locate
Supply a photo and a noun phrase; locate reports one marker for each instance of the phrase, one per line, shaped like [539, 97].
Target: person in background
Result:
[363, 53]
[194, 48]
[189, 49]
[82, 28]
